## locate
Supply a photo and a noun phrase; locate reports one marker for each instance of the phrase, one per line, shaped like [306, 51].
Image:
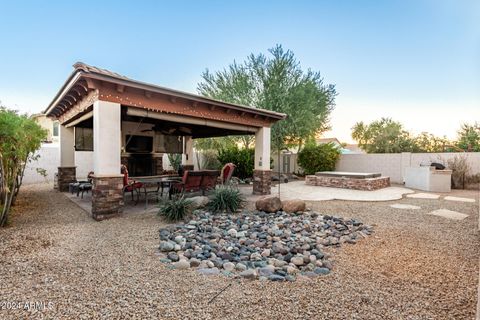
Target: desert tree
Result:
[275, 82]
[469, 137]
[383, 136]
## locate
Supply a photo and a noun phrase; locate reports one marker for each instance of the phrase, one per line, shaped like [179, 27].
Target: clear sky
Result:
[417, 61]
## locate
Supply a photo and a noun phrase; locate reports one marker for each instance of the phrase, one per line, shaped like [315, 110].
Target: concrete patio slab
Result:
[422, 195]
[299, 190]
[460, 199]
[448, 214]
[130, 207]
[404, 206]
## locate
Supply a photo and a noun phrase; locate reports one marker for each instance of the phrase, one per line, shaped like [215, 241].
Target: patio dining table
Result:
[160, 182]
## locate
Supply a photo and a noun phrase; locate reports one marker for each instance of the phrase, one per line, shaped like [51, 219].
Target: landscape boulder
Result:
[292, 206]
[199, 202]
[268, 204]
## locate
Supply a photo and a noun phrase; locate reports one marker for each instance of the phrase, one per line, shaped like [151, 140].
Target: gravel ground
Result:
[415, 266]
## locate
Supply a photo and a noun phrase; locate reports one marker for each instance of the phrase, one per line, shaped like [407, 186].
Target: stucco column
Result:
[107, 197]
[262, 174]
[66, 170]
[187, 156]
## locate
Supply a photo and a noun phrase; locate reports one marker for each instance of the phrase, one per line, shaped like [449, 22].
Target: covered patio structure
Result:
[129, 122]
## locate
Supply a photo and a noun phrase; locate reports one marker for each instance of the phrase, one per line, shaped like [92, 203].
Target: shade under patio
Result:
[115, 108]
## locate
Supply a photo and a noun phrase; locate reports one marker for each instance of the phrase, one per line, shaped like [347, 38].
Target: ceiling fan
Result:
[169, 130]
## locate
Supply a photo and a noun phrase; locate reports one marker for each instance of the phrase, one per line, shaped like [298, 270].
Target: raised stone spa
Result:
[348, 180]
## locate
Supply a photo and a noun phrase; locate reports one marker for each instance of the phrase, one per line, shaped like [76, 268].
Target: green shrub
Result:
[314, 158]
[243, 159]
[175, 160]
[175, 209]
[20, 138]
[226, 198]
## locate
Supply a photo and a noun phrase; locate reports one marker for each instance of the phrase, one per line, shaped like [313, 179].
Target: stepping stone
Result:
[449, 198]
[449, 214]
[423, 196]
[404, 206]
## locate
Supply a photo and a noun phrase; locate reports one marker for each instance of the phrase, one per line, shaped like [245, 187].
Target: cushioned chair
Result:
[196, 181]
[227, 172]
[209, 180]
[191, 181]
[84, 187]
[130, 187]
[80, 187]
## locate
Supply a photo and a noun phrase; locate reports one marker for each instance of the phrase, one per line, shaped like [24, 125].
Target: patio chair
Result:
[130, 187]
[209, 181]
[81, 186]
[227, 172]
[191, 181]
[84, 187]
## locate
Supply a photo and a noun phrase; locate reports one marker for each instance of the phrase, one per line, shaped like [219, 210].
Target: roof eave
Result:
[67, 85]
[80, 72]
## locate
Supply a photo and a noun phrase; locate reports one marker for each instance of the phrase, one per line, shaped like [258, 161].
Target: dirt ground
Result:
[415, 266]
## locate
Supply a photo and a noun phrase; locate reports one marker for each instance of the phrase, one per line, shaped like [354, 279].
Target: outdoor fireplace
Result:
[141, 164]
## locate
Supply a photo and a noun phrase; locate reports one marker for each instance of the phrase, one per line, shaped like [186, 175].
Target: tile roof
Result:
[89, 69]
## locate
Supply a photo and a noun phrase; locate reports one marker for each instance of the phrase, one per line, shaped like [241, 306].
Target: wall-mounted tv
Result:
[138, 144]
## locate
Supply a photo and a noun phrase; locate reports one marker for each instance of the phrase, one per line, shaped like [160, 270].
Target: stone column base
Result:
[66, 175]
[107, 197]
[262, 181]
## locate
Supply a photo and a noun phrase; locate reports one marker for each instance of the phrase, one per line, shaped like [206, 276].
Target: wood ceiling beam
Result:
[83, 86]
[69, 95]
[77, 91]
[62, 106]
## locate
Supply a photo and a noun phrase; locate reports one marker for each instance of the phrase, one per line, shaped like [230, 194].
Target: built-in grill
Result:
[429, 176]
[436, 165]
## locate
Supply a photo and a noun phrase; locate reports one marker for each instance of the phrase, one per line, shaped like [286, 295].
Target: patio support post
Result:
[187, 157]
[262, 174]
[66, 170]
[107, 197]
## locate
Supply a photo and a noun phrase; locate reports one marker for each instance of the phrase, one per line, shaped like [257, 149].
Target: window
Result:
[83, 139]
[55, 129]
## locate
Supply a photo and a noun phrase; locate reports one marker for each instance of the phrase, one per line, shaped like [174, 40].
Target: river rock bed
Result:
[275, 246]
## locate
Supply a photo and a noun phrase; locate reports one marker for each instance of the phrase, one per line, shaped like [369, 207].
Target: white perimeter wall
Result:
[388, 164]
[393, 164]
[50, 160]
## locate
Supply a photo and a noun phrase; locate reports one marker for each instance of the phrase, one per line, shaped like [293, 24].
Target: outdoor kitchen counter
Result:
[428, 179]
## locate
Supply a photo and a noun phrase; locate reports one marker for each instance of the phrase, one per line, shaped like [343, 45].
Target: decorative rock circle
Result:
[275, 246]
